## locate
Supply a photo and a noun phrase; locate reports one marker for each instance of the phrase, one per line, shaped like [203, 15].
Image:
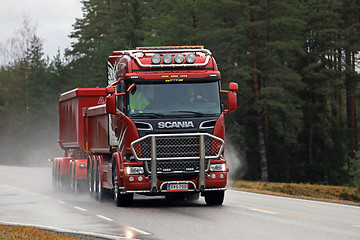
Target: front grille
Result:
[169, 166]
[177, 147]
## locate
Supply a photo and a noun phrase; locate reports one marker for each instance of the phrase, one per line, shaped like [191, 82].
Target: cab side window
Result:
[121, 98]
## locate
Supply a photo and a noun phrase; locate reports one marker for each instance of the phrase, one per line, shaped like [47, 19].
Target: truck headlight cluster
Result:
[133, 170]
[218, 167]
[168, 58]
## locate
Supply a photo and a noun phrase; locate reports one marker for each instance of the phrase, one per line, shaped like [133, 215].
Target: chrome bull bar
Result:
[190, 146]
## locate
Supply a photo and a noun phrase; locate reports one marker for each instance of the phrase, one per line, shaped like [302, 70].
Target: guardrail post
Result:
[202, 162]
[153, 165]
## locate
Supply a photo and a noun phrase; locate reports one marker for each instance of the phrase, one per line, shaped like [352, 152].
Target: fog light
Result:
[213, 176]
[222, 175]
[140, 178]
[131, 178]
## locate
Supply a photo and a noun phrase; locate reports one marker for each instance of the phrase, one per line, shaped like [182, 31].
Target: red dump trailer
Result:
[156, 129]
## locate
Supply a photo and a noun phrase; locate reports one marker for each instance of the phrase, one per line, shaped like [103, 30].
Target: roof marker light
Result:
[156, 59]
[179, 58]
[167, 58]
[190, 58]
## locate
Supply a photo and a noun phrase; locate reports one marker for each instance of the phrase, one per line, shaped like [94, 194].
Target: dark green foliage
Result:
[294, 62]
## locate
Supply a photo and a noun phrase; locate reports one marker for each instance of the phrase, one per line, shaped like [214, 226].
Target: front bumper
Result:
[214, 181]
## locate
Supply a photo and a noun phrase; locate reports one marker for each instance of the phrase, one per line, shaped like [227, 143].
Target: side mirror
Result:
[110, 90]
[233, 86]
[232, 101]
[111, 104]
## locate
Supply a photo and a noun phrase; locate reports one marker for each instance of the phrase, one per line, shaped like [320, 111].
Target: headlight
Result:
[167, 58]
[156, 59]
[190, 58]
[219, 167]
[179, 58]
[133, 170]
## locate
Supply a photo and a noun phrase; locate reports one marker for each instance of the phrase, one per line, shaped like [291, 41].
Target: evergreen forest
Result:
[297, 64]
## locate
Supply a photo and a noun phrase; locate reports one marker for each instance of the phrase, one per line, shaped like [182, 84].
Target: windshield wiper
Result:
[198, 114]
[146, 114]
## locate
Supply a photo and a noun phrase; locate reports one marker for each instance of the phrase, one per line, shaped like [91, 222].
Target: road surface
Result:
[27, 198]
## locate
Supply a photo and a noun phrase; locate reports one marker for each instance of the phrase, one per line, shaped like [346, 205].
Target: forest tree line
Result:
[296, 62]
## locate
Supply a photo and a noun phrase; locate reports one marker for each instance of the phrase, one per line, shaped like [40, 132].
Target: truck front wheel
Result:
[121, 200]
[214, 198]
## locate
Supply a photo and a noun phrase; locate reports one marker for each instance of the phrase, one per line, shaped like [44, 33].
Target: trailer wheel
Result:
[75, 181]
[60, 182]
[214, 198]
[100, 191]
[54, 176]
[121, 200]
[72, 187]
[94, 181]
[89, 178]
[57, 177]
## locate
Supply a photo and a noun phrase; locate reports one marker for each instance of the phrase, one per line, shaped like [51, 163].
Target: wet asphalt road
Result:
[27, 198]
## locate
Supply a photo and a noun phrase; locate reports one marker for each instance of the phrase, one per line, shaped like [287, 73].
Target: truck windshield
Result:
[159, 100]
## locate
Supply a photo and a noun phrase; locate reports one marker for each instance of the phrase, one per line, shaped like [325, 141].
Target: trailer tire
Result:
[76, 182]
[94, 181]
[121, 200]
[89, 178]
[54, 182]
[100, 191]
[72, 182]
[214, 198]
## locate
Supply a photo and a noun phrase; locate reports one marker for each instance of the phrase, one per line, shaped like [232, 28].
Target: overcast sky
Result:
[53, 20]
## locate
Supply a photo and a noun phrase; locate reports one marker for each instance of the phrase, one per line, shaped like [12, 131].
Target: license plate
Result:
[177, 187]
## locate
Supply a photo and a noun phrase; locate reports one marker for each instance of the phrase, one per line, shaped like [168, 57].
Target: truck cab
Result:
[166, 125]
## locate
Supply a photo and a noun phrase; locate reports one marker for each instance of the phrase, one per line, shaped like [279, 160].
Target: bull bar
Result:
[171, 147]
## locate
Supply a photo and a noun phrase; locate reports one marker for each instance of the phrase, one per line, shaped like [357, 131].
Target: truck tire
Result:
[89, 179]
[75, 182]
[214, 198]
[100, 191]
[54, 183]
[94, 181]
[72, 187]
[121, 200]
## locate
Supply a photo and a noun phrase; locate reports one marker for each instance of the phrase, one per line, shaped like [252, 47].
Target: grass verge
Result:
[8, 232]
[336, 194]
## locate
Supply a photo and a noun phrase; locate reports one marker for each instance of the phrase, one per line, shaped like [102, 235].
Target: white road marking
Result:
[295, 199]
[138, 230]
[59, 201]
[276, 212]
[81, 209]
[263, 211]
[105, 218]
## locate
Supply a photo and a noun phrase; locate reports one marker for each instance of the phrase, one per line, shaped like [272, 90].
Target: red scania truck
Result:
[156, 129]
